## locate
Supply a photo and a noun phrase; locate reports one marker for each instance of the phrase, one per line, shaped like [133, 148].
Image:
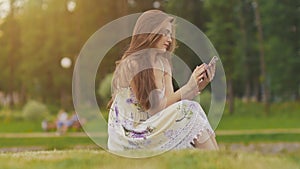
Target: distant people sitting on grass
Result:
[48, 125]
[73, 122]
[63, 123]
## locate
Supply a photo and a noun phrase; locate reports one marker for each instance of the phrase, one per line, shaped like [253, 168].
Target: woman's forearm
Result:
[183, 93]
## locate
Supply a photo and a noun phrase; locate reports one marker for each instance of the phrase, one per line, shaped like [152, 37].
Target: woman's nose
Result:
[169, 38]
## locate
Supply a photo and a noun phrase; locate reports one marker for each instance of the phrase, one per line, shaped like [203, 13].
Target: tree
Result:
[12, 58]
[280, 22]
[223, 30]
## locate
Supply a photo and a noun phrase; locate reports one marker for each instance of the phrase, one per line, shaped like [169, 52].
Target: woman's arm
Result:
[189, 90]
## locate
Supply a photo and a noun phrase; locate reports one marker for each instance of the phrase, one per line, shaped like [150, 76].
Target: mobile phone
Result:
[212, 63]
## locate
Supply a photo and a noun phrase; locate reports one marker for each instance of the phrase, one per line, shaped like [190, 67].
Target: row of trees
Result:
[256, 40]
[36, 35]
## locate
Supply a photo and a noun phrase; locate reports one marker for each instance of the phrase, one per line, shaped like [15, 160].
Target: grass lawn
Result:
[20, 127]
[252, 116]
[227, 122]
[61, 153]
[246, 116]
[78, 159]
[62, 142]
[236, 122]
[255, 138]
[47, 143]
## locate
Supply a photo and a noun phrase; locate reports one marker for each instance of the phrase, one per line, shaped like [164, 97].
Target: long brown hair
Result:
[145, 35]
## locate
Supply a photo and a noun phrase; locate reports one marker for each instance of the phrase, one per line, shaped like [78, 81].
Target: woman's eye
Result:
[165, 33]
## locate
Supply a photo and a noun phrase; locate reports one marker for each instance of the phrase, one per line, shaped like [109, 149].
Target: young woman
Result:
[145, 112]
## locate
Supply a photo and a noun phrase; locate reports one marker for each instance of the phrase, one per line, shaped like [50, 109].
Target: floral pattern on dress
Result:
[131, 100]
[138, 134]
[172, 128]
[187, 112]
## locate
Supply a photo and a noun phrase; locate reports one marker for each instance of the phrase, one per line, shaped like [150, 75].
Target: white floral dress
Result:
[175, 127]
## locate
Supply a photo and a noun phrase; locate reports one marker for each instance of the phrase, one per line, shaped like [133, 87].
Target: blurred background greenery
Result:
[258, 43]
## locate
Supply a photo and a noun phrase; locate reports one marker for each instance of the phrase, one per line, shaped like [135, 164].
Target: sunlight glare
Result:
[71, 6]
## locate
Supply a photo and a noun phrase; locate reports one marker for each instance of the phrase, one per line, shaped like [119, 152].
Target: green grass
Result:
[20, 127]
[246, 116]
[47, 143]
[71, 142]
[256, 109]
[78, 159]
[260, 122]
[227, 123]
[252, 116]
[255, 138]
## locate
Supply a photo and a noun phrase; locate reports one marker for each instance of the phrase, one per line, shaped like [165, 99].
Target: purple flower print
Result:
[129, 101]
[117, 114]
[138, 134]
[169, 133]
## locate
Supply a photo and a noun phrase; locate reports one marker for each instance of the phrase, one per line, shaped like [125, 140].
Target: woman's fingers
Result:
[200, 70]
[208, 78]
[200, 78]
[203, 83]
[209, 74]
[212, 71]
[201, 67]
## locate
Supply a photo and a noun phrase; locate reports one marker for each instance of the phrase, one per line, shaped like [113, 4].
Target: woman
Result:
[145, 112]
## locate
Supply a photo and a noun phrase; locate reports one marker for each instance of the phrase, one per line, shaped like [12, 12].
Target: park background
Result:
[257, 41]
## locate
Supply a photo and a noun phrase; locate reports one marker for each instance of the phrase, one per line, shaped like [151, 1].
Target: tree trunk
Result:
[12, 52]
[230, 96]
[244, 52]
[265, 89]
[255, 94]
[247, 91]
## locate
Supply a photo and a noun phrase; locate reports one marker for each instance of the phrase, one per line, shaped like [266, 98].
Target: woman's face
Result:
[165, 40]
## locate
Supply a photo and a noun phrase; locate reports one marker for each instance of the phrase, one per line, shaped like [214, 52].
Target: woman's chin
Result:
[162, 50]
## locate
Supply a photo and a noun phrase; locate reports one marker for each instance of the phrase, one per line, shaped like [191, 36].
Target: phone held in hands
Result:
[213, 61]
[210, 72]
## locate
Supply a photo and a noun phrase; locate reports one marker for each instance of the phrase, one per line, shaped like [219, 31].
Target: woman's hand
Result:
[203, 82]
[211, 71]
[198, 81]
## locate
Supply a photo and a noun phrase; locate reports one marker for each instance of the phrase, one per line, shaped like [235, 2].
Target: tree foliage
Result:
[36, 34]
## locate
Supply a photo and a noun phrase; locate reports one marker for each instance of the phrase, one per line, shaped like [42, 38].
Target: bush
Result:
[104, 89]
[7, 115]
[34, 110]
